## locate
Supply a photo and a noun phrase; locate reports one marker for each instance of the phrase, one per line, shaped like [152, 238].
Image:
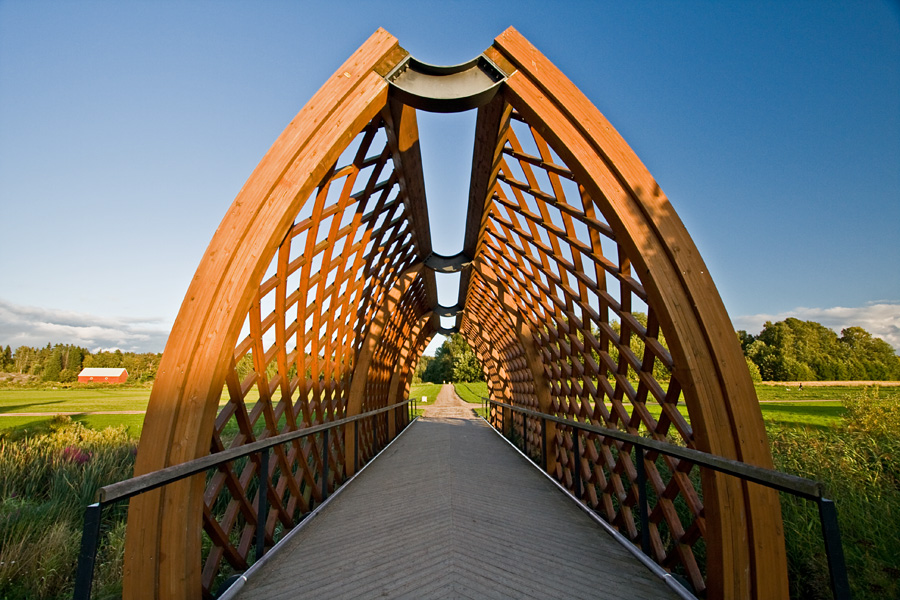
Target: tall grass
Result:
[859, 462]
[46, 481]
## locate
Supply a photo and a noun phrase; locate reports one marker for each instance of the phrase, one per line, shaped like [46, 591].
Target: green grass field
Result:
[850, 446]
[74, 400]
[817, 406]
[427, 390]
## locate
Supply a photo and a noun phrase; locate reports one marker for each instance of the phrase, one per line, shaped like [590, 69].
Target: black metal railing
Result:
[123, 490]
[801, 487]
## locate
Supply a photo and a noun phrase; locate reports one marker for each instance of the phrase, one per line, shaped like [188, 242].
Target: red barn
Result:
[97, 375]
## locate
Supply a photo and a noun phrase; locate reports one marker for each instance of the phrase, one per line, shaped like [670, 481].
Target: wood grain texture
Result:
[586, 299]
[164, 530]
[538, 244]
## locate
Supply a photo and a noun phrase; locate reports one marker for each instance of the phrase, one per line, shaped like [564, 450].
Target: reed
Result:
[46, 481]
[859, 462]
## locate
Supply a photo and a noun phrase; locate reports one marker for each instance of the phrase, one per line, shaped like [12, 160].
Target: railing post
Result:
[262, 508]
[837, 568]
[525, 434]
[90, 539]
[325, 464]
[356, 445]
[577, 464]
[642, 500]
[544, 444]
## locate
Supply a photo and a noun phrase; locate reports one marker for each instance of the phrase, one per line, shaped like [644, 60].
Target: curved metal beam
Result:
[448, 264]
[448, 311]
[446, 89]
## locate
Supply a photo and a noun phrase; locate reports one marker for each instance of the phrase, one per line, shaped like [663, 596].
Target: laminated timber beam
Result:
[581, 293]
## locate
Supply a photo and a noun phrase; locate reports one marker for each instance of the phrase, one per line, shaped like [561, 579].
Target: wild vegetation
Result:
[45, 483]
[859, 462]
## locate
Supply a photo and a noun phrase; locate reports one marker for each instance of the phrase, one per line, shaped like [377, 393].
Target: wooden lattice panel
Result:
[311, 293]
[549, 246]
[294, 364]
[618, 323]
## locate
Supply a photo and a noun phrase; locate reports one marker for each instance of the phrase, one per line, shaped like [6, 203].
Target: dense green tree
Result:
[755, 375]
[421, 366]
[6, 359]
[467, 367]
[52, 366]
[454, 360]
[23, 358]
[795, 350]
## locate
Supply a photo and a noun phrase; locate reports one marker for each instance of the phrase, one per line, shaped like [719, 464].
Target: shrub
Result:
[866, 412]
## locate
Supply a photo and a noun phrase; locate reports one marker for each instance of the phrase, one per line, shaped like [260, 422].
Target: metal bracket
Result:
[436, 315]
[447, 311]
[441, 89]
[447, 264]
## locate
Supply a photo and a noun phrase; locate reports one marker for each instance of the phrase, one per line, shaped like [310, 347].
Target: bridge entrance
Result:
[580, 291]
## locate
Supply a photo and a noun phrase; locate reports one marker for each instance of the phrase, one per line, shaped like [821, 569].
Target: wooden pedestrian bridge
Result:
[281, 455]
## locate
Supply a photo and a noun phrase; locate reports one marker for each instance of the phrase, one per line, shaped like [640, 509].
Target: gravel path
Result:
[449, 406]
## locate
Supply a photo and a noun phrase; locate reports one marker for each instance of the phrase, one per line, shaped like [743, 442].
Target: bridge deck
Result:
[451, 511]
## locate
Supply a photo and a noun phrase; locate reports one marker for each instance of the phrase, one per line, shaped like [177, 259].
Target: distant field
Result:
[814, 405]
[838, 390]
[73, 400]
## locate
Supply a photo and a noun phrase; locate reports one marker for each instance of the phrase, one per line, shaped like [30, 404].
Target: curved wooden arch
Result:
[581, 293]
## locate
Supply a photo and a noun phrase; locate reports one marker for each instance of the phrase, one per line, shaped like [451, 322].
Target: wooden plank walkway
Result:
[451, 511]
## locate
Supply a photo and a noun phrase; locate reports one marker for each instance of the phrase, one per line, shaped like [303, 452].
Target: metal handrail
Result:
[802, 487]
[123, 490]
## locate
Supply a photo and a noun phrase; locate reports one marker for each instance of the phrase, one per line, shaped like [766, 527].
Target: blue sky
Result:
[127, 128]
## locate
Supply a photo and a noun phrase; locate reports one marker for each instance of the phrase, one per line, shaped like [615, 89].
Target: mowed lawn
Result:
[813, 406]
[80, 401]
[52, 402]
[817, 406]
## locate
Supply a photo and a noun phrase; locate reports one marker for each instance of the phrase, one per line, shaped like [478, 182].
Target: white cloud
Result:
[36, 326]
[881, 319]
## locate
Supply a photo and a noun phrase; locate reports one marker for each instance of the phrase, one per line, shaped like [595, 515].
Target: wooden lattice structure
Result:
[581, 293]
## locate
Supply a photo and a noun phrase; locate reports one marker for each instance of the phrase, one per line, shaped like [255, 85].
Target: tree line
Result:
[789, 350]
[62, 362]
[795, 350]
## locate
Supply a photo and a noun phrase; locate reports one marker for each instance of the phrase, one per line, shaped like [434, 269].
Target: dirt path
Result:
[449, 406]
